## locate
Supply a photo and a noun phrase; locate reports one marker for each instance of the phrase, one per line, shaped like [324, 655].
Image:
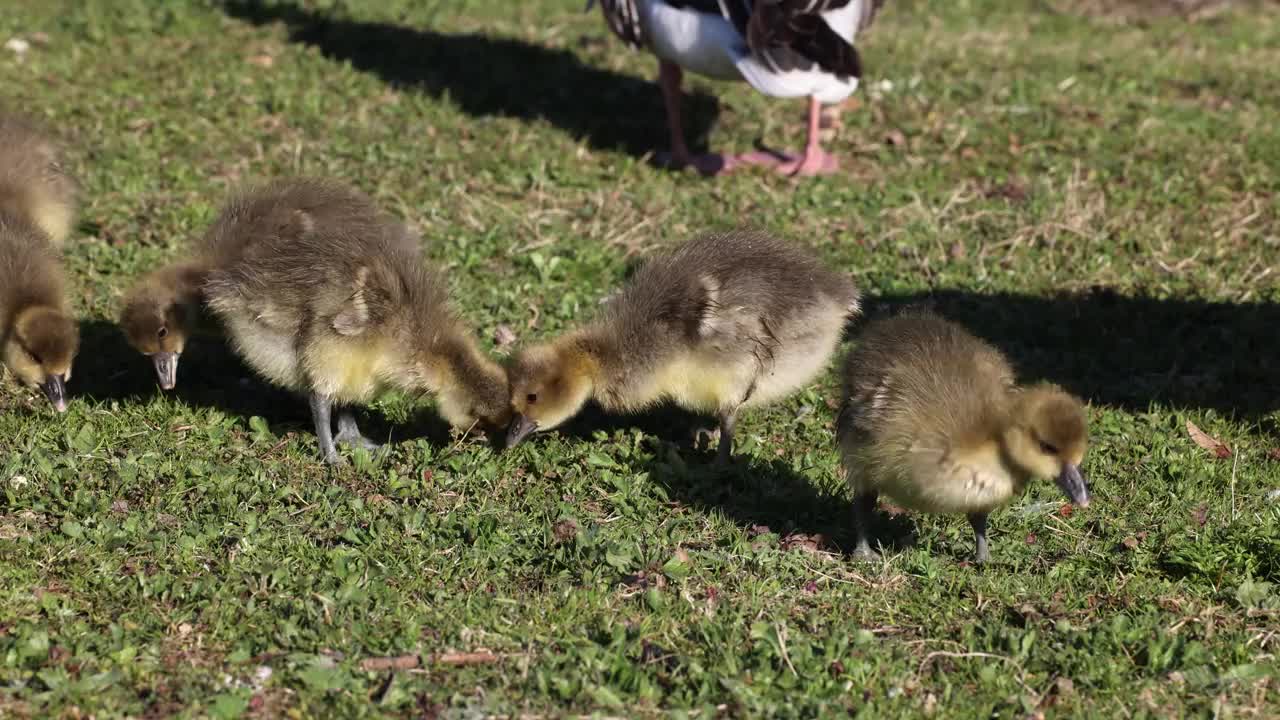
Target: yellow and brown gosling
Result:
[340, 304]
[37, 212]
[40, 338]
[724, 322]
[34, 187]
[161, 313]
[165, 308]
[933, 418]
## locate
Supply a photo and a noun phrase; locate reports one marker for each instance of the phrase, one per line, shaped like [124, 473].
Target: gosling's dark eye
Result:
[162, 333]
[1048, 449]
[531, 398]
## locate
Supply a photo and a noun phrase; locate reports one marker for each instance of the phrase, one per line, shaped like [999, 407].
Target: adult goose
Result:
[782, 48]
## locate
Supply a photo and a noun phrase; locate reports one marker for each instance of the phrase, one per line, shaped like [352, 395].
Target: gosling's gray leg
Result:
[349, 433]
[979, 523]
[321, 408]
[864, 506]
[724, 451]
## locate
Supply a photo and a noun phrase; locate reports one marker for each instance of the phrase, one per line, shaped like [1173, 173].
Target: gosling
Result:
[37, 211]
[165, 308]
[161, 313]
[34, 186]
[933, 418]
[340, 306]
[725, 322]
[40, 338]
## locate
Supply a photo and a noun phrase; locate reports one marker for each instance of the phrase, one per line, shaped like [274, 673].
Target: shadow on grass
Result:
[757, 495]
[1127, 352]
[493, 76]
[210, 375]
[768, 496]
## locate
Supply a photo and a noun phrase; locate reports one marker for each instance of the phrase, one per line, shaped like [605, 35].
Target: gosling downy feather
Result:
[164, 309]
[724, 322]
[34, 188]
[933, 417]
[161, 313]
[342, 303]
[39, 337]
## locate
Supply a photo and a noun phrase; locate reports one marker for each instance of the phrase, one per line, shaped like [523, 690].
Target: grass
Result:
[1094, 191]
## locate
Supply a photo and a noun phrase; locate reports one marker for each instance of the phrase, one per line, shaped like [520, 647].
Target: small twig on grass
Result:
[263, 658]
[398, 662]
[283, 441]
[411, 661]
[948, 654]
[1234, 463]
[858, 578]
[782, 646]
[926, 641]
[466, 434]
[471, 658]
[944, 653]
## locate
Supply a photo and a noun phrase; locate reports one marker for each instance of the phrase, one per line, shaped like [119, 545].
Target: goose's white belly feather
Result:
[698, 42]
[824, 86]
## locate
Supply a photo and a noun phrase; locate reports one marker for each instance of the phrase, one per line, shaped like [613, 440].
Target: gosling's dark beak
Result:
[166, 368]
[55, 388]
[1072, 483]
[521, 428]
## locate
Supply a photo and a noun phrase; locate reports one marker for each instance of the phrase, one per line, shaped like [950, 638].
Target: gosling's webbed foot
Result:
[864, 506]
[864, 553]
[321, 411]
[724, 451]
[349, 434]
[981, 554]
[724, 455]
[356, 440]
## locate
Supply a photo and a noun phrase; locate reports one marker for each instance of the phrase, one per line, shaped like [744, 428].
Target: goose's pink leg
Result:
[814, 160]
[669, 78]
